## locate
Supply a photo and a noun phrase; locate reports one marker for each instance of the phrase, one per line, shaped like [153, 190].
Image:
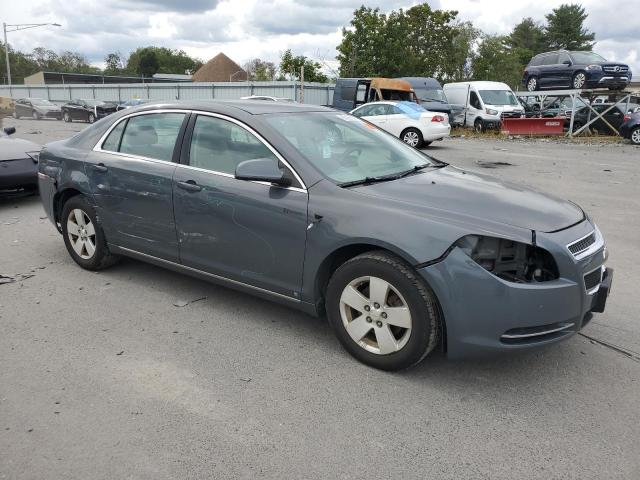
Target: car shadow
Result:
[18, 198]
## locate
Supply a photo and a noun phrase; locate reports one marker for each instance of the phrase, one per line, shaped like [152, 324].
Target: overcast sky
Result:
[245, 29]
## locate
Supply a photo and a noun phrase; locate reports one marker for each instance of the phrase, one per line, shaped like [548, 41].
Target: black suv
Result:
[565, 69]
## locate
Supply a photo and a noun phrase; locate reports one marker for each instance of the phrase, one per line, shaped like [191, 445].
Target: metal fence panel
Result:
[314, 93]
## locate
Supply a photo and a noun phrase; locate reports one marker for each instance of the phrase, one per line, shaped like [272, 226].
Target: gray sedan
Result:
[327, 213]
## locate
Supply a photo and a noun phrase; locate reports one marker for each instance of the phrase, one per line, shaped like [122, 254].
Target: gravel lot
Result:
[103, 377]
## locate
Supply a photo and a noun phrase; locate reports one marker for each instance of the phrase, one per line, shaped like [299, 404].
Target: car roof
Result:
[253, 107]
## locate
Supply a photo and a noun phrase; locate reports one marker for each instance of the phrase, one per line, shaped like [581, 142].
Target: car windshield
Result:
[583, 58]
[39, 101]
[93, 103]
[345, 148]
[498, 97]
[431, 95]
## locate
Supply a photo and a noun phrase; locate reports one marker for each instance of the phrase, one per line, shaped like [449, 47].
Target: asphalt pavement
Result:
[141, 373]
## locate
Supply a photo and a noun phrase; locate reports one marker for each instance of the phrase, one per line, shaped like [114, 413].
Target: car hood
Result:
[477, 196]
[15, 148]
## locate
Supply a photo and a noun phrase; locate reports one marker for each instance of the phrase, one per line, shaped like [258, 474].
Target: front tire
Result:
[91, 118]
[478, 125]
[66, 117]
[15, 115]
[579, 80]
[382, 312]
[83, 235]
[635, 136]
[35, 115]
[412, 137]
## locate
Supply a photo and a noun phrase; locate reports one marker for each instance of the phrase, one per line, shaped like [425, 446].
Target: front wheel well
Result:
[60, 199]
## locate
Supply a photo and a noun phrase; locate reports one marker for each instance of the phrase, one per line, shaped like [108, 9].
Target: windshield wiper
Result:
[368, 180]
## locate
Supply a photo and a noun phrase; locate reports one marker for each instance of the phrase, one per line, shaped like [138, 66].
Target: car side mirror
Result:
[262, 170]
[567, 63]
[9, 130]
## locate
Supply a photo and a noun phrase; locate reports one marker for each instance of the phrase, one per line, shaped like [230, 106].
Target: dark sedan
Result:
[36, 108]
[87, 110]
[327, 213]
[630, 127]
[18, 162]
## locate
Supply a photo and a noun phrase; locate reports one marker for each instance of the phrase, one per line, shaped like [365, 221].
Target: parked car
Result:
[36, 108]
[430, 94]
[396, 247]
[614, 116]
[18, 162]
[130, 103]
[268, 98]
[351, 92]
[630, 128]
[408, 121]
[577, 70]
[87, 110]
[484, 104]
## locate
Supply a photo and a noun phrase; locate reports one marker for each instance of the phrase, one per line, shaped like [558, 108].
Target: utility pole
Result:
[6, 53]
[302, 84]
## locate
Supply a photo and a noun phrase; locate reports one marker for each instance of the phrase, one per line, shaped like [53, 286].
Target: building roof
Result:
[220, 69]
[52, 78]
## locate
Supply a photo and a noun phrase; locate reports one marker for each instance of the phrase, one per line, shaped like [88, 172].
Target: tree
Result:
[417, 42]
[496, 61]
[168, 61]
[291, 65]
[260, 70]
[113, 63]
[565, 28]
[527, 38]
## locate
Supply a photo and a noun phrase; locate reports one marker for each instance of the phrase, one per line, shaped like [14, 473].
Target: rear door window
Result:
[563, 57]
[551, 59]
[112, 143]
[152, 136]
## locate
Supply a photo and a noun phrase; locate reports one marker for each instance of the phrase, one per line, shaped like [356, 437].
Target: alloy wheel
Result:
[579, 80]
[92, 118]
[635, 136]
[532, 84]
[375, 315]
[411, 138]
[82, 233]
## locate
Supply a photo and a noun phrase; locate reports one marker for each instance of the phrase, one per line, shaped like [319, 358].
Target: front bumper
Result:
[485, 314]
[607, 80]
[18, 174]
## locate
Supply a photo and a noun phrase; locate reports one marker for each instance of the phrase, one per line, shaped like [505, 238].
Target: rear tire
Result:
[412, 137]
[66, 117]
[395, 323]
[635, 136]
[15, 115]
[83, 235]
[532, 84]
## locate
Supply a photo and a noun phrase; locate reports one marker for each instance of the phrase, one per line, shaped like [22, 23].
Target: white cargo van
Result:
[482, 105]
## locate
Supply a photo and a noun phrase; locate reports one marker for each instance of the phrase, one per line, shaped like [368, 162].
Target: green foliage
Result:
[565, 28]
[290, 66]
[527, 39]
[417, 42]
[151, 60]
[260, 70]
[496, 61]
[113, 64]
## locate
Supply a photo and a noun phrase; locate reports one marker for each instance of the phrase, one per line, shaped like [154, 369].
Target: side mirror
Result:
[9, 130]
[567, 63]
[262, 170]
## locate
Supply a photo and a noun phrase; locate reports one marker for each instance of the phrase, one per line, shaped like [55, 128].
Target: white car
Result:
[408, 121]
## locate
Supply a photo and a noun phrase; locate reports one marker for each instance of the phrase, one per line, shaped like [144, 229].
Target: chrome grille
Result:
[616, 69]
[593, 279]
[582, 244]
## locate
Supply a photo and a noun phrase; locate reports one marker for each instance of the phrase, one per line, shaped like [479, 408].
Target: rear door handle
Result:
[100, 167]
[190, 186]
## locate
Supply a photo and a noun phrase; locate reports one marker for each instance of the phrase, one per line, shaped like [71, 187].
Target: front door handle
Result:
[101, 167]
[190, 186]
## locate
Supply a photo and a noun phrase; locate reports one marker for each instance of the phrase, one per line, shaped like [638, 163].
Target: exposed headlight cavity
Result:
[509, 260]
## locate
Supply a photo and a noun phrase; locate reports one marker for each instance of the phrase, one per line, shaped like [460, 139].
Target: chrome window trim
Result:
[98, 145]
[594, 247]
[538, 334]
[202, 272]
